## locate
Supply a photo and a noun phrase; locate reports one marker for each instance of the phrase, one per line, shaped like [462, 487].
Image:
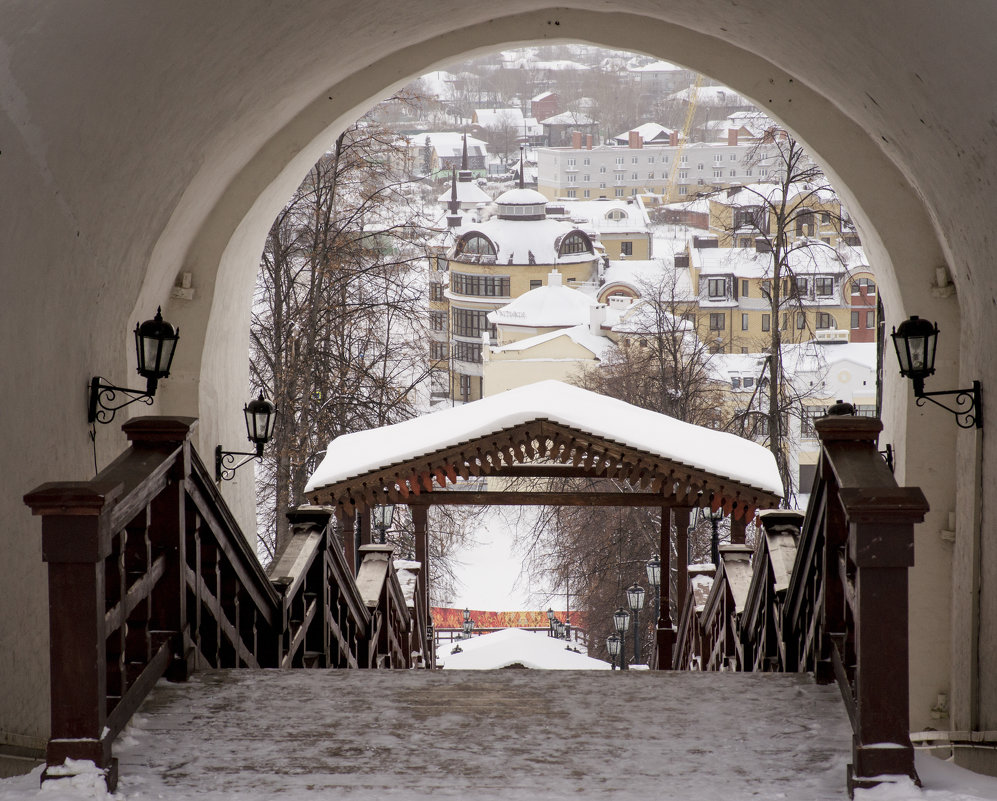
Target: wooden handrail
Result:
[842, 611]
[149, 570]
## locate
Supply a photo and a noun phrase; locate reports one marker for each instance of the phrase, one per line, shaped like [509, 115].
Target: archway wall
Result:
[153, 139]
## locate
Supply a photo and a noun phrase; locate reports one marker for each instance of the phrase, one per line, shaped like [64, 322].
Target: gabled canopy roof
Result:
[538, 428]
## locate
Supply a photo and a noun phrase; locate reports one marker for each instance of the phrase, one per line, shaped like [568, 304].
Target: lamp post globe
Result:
[261, 416]
[915, 342]
[613, 647]
[653, 568]
[467, 615]
[155, 344]
[621, 620]
[383, 515]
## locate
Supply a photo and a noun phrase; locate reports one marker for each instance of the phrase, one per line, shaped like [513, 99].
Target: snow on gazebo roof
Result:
[718, 453]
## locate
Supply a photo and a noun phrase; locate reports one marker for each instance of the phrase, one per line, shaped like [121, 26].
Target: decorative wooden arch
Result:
[531, 443]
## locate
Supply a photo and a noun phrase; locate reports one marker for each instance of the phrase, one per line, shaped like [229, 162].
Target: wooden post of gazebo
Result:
[420, 517]
[664, 630]
[350, 540]
[737, 528]
[680, 517]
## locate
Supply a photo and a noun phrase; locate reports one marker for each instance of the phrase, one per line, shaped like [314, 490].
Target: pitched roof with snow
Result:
[569, 118]
[714, 452]
[579, 334]
[649, 132]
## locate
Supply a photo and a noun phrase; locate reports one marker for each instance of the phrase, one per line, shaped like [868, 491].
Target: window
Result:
[749, 382]
[735, 382]
[865, 410]
[802, 285]
[602, 169]
[650, 175]
[824, 320]
[619, 191]
[766, 322]
[465, 386]
[718, 173]
[536, 283]
[586, 193]
[733, 174]
[572, 178]
[684, 160]
[824, 286]
[467, 352]
[870, 319]
[486, 286]
[602, 185]
[718, 157]
[438, 320]
[437, 351]
[717, 322]
[683, 189]
[650, 159]
[801, 321]
[855, 319]
[750, 217]
[860, 284]
[683, 173]
[745, 242]
[616, 214]
[572, 192]
[744, 322]
[574, 242]
[699, 167]
[586, 178]
[717, 287]
[747, 172]
[733, 156]
[474, 244]
[807, 417]
[785, 321]
[744, 287]
[825, 217]
[586, 162]
[633, 176]
[436, 292]
[627, 248]
[571, 162]
[619, 159]
[469, 322]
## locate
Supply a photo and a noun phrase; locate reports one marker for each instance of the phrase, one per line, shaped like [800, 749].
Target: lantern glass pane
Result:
[621, 619]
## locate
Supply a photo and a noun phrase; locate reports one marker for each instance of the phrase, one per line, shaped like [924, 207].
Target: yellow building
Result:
[497, 260]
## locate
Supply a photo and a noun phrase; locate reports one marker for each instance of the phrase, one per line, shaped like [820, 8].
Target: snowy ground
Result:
[504, 734]
[499, 649]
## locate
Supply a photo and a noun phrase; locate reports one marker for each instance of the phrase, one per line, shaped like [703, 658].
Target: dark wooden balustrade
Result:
[839, 611]
[150, 576]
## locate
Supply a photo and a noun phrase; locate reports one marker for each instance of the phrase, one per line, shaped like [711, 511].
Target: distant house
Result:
[662, 77]
[559, 128]
[438, 152]
[651, 133]
[544, 105]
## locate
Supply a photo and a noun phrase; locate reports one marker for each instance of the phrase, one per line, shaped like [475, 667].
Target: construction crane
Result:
[684, 135]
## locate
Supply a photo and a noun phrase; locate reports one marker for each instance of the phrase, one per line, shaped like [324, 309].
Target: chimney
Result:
[732, 136]
[635, 141]
[673, 139]
[588, 141]
[576, 140]
[554, 278]
[597, 316]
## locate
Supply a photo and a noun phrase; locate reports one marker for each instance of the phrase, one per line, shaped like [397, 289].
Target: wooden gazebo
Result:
[548, 430]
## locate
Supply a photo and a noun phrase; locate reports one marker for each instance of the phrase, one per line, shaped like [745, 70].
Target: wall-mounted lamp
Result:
[260, 419]
[915, 341]
[155, 344]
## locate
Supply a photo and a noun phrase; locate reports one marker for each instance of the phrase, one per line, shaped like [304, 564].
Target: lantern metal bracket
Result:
[103, 404]
[225, 465]
[968, 403]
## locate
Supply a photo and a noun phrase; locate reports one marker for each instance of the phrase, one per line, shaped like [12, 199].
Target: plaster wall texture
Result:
[150, 139]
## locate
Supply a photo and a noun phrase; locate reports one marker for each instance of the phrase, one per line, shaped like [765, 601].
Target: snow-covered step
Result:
[506, 734]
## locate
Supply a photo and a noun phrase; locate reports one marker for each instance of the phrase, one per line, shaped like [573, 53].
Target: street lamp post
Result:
[621, 620]
[550, 622]
[654, 579]
[613, 646]
[635, 600]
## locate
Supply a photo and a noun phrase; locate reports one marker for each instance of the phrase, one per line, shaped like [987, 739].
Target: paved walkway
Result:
[510, 734]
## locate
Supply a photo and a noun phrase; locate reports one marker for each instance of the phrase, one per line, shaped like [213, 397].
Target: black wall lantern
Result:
[916, 341]
[260, 419]
[155, 344]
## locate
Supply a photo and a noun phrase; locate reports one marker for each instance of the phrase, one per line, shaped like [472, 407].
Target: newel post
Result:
[879, 519]
[75, 541]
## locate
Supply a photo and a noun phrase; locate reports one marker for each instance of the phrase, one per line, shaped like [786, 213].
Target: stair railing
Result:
[149, 575]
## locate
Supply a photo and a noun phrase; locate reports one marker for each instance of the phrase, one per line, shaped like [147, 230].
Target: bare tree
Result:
[781, 217]
[337, 327]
